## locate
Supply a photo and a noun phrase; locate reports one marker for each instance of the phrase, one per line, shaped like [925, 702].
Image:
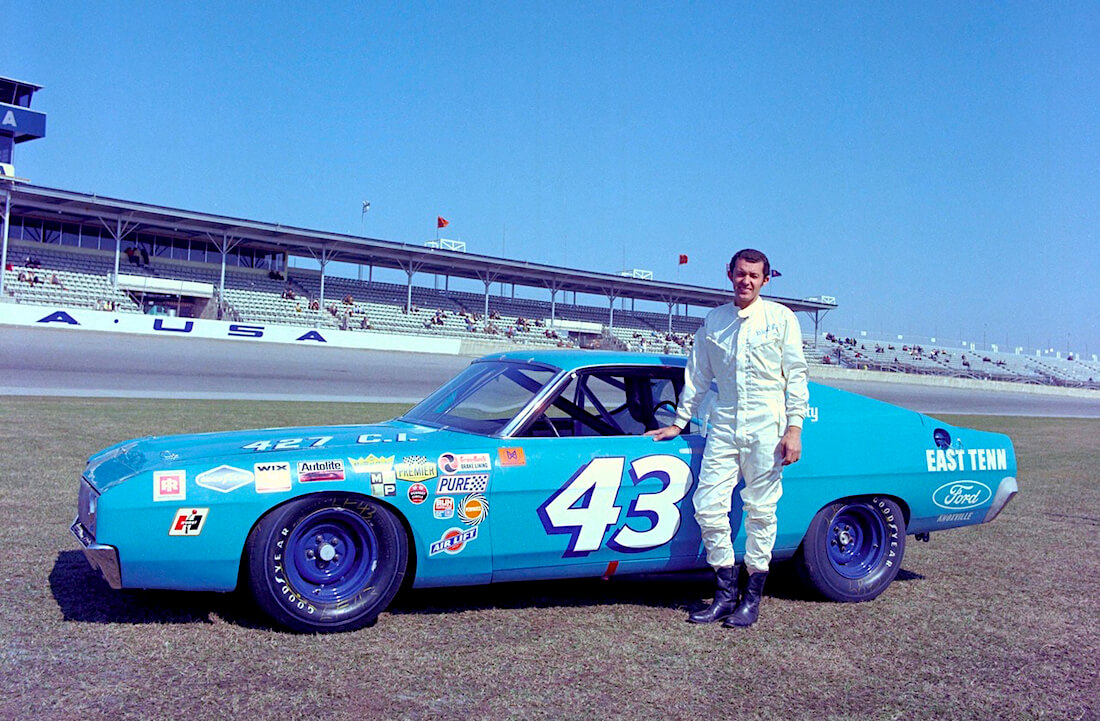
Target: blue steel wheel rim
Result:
[856, 540]
[331, 556]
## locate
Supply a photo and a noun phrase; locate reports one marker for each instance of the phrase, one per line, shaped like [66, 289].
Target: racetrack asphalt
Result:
[62, 362]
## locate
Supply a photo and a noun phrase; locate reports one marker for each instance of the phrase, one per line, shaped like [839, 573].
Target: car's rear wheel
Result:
[853, 548]
[326, 563]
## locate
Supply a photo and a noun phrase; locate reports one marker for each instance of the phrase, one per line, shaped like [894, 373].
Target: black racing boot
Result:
[748, 610]
[725, 598]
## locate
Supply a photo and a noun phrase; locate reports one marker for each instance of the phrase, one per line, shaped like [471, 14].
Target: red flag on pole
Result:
[441, 222]
[683, 259]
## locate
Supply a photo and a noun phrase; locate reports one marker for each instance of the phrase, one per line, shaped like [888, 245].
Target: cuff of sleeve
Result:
[794, 422]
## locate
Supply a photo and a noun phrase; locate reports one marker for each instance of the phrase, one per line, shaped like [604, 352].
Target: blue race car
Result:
[527, 465]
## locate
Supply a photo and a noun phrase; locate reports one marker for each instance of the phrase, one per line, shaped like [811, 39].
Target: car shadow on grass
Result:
[83, 596]
[684, 591]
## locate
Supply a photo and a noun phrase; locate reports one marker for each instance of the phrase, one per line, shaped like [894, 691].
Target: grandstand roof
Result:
[68, 206]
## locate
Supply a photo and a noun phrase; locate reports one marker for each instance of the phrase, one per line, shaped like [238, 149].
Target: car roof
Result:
[570, 359]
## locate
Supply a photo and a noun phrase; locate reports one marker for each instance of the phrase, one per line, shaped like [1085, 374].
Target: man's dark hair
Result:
[751, 255]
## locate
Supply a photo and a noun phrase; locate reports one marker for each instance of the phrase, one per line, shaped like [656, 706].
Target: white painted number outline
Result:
[585, 506]
[287, 444]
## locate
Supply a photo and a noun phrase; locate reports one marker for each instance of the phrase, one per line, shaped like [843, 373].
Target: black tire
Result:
[326, 563]
[853, 548]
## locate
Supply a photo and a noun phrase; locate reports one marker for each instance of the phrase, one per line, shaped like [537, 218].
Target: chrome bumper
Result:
[102, 558]
[1005, 491]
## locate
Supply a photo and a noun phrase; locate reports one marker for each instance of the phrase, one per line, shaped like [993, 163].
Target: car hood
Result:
[132, 457]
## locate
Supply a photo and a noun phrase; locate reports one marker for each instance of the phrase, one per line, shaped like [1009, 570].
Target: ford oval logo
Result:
[961, 495]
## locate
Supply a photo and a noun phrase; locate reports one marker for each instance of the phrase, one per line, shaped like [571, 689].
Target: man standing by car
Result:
[752, 349]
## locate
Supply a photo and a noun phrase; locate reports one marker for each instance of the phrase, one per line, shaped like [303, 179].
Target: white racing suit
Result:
[755, 358]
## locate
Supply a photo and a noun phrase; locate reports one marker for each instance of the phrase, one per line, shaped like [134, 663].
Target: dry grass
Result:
[995, 621]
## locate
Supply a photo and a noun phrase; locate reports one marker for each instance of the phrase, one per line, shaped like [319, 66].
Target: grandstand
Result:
[89, 252]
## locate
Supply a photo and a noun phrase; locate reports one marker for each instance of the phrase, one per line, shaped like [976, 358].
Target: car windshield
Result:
[482, 398]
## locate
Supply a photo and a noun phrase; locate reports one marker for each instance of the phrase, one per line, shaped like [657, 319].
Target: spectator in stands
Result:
[132, 256]
[23, 277]
[33, 262]
[144, 256]
[314, 304]
[348, 300]
[35, 279]
[365, 323]
[54, 280]
[9, 266]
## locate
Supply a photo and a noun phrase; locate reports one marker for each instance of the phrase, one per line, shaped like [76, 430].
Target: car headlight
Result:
[86, 506]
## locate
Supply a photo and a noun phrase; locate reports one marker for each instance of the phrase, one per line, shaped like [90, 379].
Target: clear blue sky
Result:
[935, 166]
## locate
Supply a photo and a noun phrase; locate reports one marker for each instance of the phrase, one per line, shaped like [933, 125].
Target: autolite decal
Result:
[314, 471]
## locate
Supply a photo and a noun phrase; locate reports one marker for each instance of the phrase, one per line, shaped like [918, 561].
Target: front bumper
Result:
[102, 558]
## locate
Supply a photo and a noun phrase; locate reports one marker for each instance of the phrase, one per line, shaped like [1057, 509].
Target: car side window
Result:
[611, 403]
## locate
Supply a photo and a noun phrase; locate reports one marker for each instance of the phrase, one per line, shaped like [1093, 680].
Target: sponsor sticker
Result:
[474, 483]
[372, 464]
[188, 522]
[224, 479]
[453, 541]
[511, 457]
[962, 495]
[464, 462]
[317, 471]
[169, 485]
[954, 517]
[418, 493]
[473, 509]
[444, 507]
[962, 459]
[415, 468]
[272, 477]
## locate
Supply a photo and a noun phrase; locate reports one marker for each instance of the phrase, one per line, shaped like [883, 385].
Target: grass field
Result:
[994, 621]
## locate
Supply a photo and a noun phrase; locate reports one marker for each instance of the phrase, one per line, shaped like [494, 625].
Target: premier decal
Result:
[444, 507]
[169, 485]
[188, 522]
[224, 479]
[464, 462]
[473, 509]
[960, 459]
[317, 471]
[962, 495]
[474, 483]
[272, 477]
[454, 541]
[415, 468]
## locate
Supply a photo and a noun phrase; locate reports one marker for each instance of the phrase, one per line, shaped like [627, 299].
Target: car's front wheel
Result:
[326, 563]
[853, 548]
